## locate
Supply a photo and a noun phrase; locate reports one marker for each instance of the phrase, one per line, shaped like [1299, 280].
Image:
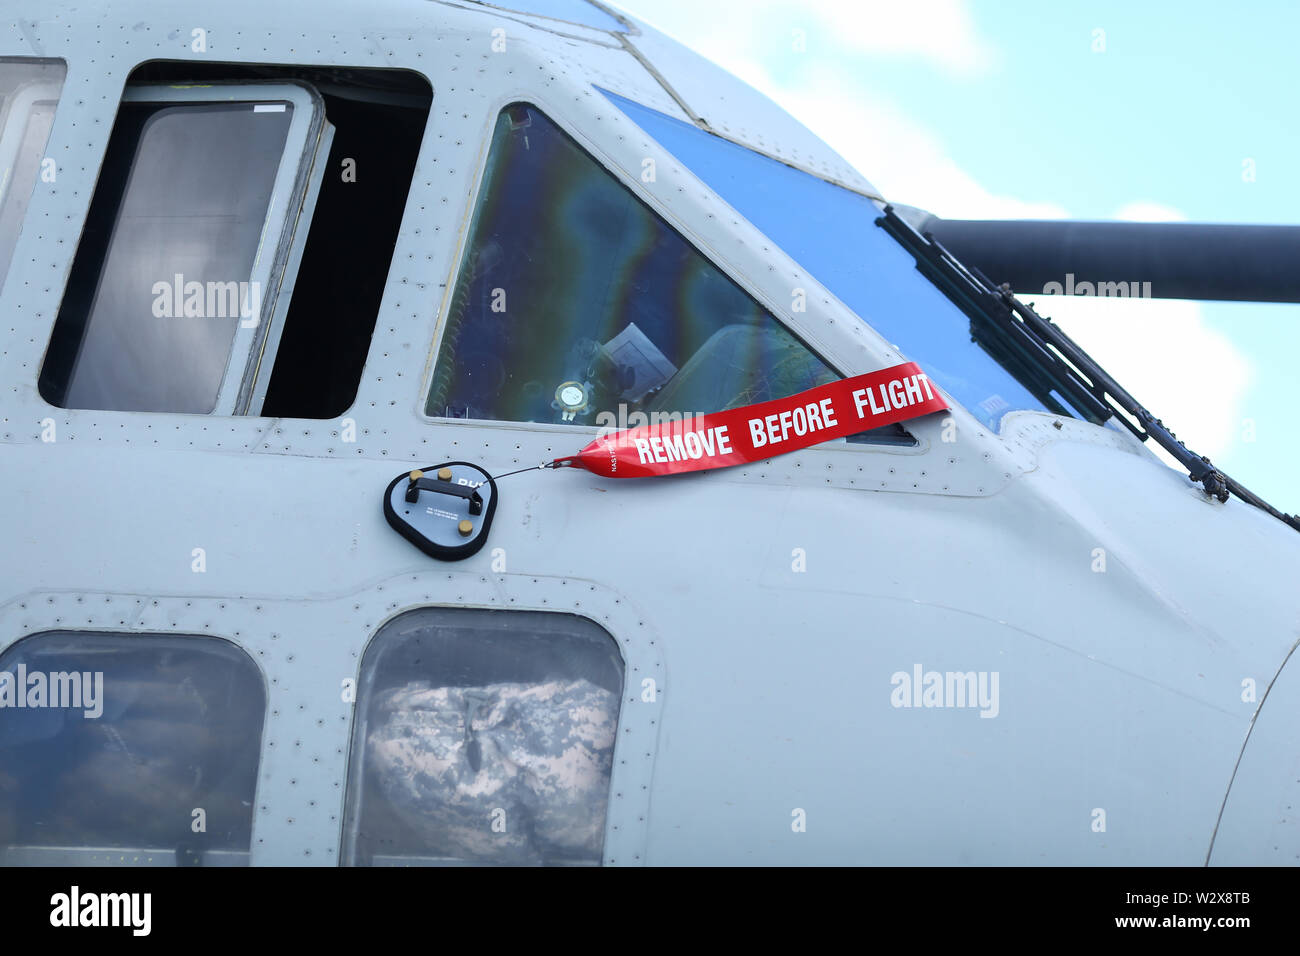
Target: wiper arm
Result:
[995, 327]
[1044, 359]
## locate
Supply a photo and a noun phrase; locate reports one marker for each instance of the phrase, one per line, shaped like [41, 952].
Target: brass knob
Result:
[444, 474]
[466, 528]
[417, 475]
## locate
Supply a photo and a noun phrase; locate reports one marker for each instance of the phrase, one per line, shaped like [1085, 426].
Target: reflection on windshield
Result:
[831, 232]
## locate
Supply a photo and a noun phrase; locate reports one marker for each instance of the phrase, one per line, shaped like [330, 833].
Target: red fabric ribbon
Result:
[754, 432]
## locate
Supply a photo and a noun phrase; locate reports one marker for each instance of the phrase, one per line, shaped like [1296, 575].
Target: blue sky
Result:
[1023, 109]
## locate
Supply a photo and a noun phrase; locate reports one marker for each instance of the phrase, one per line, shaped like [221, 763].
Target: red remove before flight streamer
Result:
[754, 432]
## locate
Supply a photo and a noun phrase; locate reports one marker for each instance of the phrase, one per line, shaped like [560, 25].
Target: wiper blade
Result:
[1046, 360]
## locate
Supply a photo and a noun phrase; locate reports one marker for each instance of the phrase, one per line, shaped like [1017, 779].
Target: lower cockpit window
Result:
[483, 737]
[577, 303]
[128, 750]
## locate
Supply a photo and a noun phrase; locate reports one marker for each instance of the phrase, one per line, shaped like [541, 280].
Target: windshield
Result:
[832, 232]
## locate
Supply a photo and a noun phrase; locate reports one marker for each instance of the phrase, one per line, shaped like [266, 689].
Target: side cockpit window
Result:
[29, 94]
[575, 299]
[187, 238]
[483, 737]
[126, 749]
[210, 277]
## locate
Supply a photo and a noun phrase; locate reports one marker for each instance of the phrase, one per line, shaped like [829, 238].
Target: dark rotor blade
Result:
[1168, 260]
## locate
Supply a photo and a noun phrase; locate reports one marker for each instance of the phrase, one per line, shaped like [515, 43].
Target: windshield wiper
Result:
[1049, 363]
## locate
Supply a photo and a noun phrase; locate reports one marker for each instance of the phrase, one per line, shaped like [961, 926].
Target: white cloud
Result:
[1162, 351]
[903, 159]
[940, 32]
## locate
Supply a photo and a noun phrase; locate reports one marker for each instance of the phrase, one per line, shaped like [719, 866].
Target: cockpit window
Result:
[165, 274]
[173, 291]
[483, 737]
[128, 749]
[29, 94]
[575, 299]
[831, 232]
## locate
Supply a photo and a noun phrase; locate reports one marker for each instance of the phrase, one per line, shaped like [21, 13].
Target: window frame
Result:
[592, 149]
[261, 360]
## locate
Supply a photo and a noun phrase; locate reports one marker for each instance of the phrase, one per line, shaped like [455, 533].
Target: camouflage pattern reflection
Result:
[502, 773]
